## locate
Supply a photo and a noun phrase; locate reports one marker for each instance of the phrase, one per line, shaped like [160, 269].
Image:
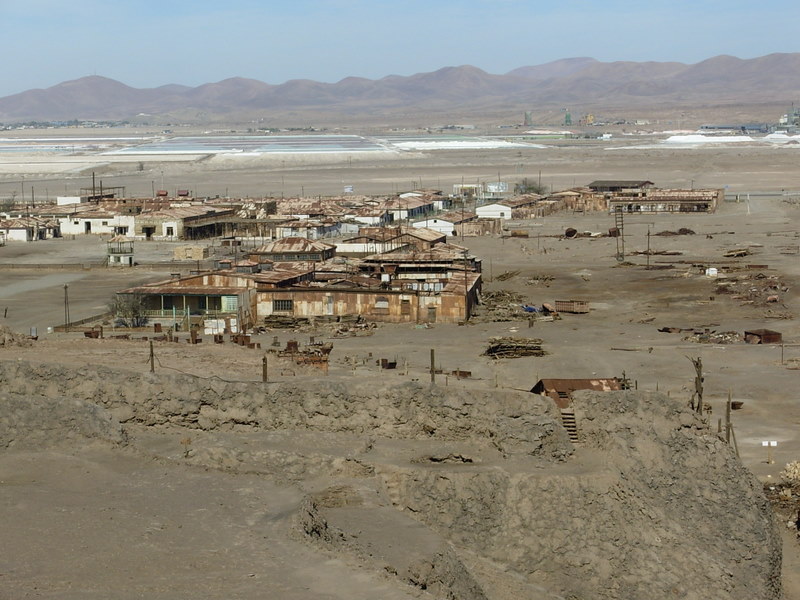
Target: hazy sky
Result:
[147, 43]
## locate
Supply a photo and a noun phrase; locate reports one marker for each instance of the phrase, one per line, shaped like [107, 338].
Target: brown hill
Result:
[568, 82]
[554, 70]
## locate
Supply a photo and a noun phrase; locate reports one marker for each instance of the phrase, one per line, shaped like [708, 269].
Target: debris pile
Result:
[714, 337]
[540, 280]
[757, 289]
[506, 275]
[681, 231]
[284, 322]
[705, 335]
[657, 252]
[356, 329]
[508, 347]
[791, 474]
[500, 305]
[9, 338]
[737, 253]
[316, 354]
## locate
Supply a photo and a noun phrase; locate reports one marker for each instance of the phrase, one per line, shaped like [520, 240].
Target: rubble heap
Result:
[508, 347]
[500, 305]
[9, 338]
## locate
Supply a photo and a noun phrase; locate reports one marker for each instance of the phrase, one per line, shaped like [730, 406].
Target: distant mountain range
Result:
[583, 82]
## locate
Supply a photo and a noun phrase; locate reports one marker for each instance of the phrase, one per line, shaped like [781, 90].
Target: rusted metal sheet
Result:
[763, 336]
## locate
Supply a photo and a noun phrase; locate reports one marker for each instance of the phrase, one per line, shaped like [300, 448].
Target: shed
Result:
[763, 336]
[560, 390]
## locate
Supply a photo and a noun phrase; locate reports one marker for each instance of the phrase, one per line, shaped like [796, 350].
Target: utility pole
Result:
[466, 286]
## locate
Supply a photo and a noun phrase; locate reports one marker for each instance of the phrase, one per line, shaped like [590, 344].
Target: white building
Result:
[502, 209]
[97, 222]
[27, 229]
[369, 215]
[65, 200]
[495, 210]
[445, 223]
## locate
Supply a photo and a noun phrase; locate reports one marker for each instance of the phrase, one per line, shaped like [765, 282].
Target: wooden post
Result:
[728, 418]
[433, 368]
[698, 383]
[735, 445]
[264, 369]
[152, 358]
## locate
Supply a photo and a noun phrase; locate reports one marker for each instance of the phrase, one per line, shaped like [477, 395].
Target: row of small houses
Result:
[195, 222]
[334, 217]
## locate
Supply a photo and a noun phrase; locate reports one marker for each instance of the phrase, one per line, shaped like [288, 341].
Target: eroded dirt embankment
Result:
[459, 495]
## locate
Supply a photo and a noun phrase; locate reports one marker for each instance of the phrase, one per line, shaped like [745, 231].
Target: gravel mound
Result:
[9, 338]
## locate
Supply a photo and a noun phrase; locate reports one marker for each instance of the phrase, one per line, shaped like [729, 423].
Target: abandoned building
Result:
[560, 390]
[616, 186]
[438, 262]
[250, 298]
[654, 201]
[377, 240]
[185, 222]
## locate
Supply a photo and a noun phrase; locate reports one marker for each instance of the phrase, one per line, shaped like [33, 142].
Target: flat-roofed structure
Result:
[654, 201]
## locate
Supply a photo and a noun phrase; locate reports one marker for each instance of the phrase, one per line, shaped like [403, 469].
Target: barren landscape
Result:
[201, 480]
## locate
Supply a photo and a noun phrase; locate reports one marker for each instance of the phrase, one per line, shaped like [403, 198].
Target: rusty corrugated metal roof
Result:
[292, 244]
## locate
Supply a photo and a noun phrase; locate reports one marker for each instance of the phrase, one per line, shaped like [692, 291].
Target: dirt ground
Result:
[628, 302]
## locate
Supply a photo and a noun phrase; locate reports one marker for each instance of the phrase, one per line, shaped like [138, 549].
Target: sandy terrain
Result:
[197, 524]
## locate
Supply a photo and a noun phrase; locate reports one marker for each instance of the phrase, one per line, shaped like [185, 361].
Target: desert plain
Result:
[201, 480]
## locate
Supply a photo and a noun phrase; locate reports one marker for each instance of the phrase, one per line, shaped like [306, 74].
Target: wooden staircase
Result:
[570, 424]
